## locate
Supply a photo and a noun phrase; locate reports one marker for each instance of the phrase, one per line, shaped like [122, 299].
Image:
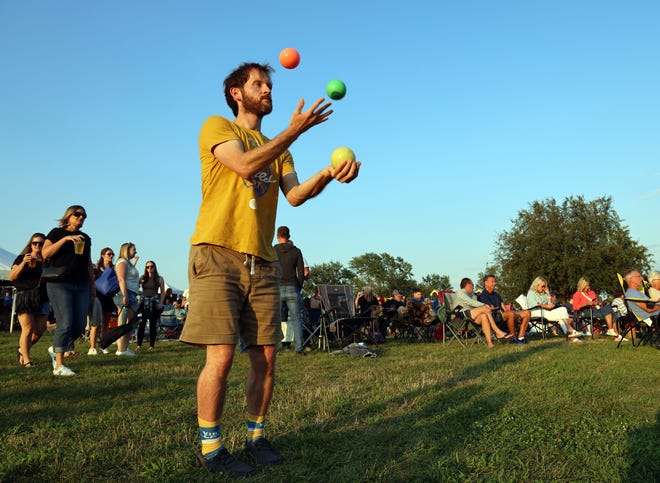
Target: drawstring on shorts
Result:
[249, 260]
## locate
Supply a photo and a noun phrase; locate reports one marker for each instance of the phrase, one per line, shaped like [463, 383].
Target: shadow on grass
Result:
[69, 397]
[413, 434]
[644, 453]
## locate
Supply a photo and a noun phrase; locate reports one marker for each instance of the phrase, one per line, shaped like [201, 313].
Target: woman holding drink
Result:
[70, 285]
[32, 304]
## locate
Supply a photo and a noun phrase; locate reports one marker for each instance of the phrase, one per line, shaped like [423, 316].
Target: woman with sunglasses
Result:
[107, 303]
[67, 250]
[32, 304]
[539, 297]
[153, 294]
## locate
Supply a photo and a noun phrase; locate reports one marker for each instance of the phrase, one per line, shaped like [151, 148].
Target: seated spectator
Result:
[491, 298]
[366, 303]
[619, 305]
[585, 297]
[315, 306]
[7, 299]
[435, 300]
[539, 296]
[395, 302]
[654, 289]
[394, 312]
[478, 312]
[417, 296]
[642, 310]
[179, 312]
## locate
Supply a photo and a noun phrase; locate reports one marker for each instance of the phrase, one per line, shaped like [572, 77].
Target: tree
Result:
[565, 242]
[383, 271]
[330, 273]
[434, 281]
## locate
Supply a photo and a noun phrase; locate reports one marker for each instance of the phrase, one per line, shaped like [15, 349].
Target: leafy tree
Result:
[565, 242]
[330, 273]
[383, 271]
[433, 282]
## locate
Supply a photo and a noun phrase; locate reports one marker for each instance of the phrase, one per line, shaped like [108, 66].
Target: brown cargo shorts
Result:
[232, 294]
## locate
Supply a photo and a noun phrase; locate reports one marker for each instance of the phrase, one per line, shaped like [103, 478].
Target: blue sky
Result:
[462, 113]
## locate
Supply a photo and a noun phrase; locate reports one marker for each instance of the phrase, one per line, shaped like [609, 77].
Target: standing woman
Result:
[107, 303]
[129, 286]
[153, 295]
[32, 304]
[67, 251]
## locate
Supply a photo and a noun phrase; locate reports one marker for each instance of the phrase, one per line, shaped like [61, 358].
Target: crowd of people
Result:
[486, 308]
[55, 278]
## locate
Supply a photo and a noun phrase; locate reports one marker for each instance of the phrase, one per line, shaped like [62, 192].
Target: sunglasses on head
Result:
[39, 243]
[78, 214]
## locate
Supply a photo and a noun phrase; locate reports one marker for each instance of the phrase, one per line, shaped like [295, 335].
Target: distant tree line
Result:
[560, 242]
[382, 271]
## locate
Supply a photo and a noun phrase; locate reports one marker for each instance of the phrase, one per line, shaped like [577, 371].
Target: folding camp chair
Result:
[346, 327]
[169, 326]
[536, 323]
[318, 331]
[455, 327]
[584, 319]
[645, 328]
[469, 329]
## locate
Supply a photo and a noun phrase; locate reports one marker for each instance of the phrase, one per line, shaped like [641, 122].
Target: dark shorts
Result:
[226, 300]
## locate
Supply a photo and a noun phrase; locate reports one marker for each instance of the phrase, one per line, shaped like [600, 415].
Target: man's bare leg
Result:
[212, 382]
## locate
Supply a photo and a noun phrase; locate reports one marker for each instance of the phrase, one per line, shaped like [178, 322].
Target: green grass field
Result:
[548, 411]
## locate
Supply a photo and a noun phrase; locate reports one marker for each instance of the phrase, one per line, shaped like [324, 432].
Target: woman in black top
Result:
[32, 304]
[67, 251]
[153, 293]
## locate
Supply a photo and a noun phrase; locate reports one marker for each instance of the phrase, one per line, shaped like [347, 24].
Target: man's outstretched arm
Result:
[297, 193]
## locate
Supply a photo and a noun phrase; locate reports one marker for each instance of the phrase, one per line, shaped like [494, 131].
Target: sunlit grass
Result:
[417, 412]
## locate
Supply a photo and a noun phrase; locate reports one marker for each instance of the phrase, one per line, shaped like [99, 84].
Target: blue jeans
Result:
[70, 303]
[290, 296]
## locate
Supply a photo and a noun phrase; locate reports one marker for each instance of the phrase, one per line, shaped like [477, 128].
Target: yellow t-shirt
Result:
[237, 213]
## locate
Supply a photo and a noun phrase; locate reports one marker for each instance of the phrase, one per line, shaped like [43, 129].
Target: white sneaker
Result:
[127, 352]
[576, 340]
[575, 333]
[92, 351]
[611, 333]
[51, 353]
[105, 351]
[63, 371]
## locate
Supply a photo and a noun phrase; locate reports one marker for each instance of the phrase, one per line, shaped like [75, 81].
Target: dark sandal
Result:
[29, 364]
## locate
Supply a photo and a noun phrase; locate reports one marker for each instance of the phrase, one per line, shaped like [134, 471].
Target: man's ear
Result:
[236, 93]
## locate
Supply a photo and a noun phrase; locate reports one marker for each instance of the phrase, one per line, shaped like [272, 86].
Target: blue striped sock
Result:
[209, 433]
[255, 427]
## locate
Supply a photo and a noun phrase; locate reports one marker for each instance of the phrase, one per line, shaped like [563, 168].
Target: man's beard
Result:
[260, 107]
